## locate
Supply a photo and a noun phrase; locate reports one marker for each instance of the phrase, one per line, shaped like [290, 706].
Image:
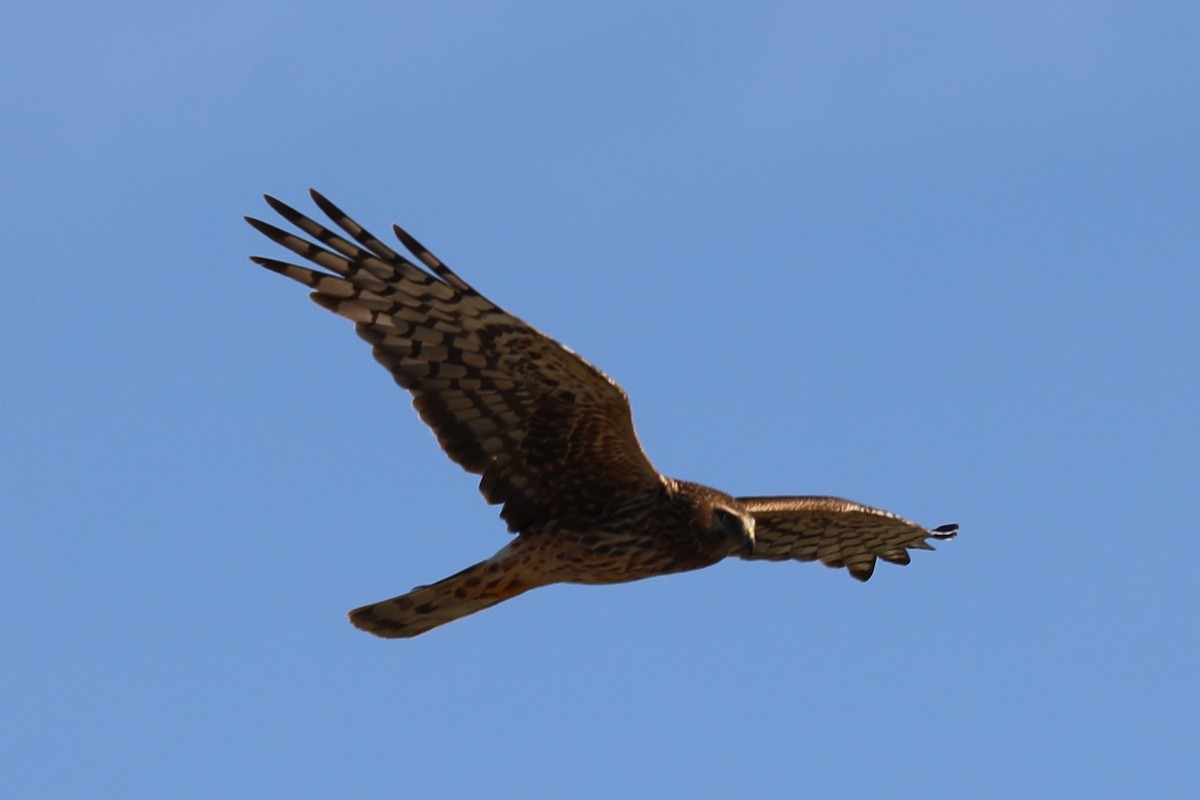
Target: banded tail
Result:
[426, 607]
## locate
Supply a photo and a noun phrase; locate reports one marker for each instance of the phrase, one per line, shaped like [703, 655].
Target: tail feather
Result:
[426, 607]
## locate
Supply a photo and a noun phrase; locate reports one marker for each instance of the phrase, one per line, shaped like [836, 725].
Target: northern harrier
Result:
[552, 438]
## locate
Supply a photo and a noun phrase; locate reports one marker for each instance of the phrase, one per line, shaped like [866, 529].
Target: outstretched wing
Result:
[551, 435]
[836, 532]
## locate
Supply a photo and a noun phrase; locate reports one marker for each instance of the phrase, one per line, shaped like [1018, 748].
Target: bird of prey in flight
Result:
[552, 438]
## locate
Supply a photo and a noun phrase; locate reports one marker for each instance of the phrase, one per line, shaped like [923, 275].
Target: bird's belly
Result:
[607, 557]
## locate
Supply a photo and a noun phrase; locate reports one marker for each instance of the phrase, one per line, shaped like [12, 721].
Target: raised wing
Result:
[551, 435]
[836, 532]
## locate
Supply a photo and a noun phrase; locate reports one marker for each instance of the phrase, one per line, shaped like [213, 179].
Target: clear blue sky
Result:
[943, 258]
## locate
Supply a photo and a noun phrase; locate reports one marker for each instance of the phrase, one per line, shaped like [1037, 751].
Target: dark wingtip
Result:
[862, 574]
[283, 209]
[408, 241]
[321, 200]
[331, 210]
[271, 264]
[326, 302]
[948, 531]
[259, 225]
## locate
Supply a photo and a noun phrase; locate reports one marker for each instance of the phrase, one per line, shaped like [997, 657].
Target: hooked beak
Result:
[748, 539]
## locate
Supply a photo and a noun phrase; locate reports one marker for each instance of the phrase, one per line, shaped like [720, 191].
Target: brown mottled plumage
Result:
[553, 439]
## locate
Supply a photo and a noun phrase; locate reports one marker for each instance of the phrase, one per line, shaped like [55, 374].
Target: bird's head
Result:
[736, 525]
[721, 525]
